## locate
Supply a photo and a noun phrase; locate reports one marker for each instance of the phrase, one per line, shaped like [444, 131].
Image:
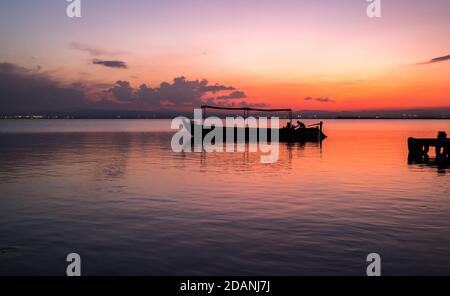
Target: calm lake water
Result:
[114, 192]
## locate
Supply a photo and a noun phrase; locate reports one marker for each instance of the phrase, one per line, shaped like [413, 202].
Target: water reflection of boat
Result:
[312, 133]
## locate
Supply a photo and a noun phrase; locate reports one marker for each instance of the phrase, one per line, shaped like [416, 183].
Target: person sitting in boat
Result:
[289, 127]
[300, 125]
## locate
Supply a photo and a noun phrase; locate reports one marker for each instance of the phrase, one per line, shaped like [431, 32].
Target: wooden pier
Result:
[419, 149]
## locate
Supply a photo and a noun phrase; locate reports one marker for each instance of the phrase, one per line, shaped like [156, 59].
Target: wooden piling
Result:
[419, 148]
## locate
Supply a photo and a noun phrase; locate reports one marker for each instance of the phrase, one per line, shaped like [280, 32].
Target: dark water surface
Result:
[114, 192]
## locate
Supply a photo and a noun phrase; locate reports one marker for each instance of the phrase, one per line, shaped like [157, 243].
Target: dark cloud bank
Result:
[437, 60]
[110, 64]
[25, 91]
[234, 95]
[320, 100]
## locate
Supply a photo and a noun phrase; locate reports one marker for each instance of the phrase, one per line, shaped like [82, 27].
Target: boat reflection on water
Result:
[286, 153]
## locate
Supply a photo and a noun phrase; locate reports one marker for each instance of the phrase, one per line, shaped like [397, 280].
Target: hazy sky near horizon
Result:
[305, 54]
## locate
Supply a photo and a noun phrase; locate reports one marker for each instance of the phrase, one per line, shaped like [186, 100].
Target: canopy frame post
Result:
[204, 112]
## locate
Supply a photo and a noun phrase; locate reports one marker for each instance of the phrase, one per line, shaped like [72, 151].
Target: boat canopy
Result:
[247, 110]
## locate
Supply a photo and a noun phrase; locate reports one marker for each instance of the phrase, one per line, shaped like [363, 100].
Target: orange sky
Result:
[277, 52]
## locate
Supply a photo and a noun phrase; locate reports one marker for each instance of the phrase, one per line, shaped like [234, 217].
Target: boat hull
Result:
[284, 135]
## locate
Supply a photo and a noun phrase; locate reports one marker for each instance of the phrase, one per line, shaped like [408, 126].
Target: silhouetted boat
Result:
[312, 133]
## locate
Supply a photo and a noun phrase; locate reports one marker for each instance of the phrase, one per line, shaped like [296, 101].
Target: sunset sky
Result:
[304, 54]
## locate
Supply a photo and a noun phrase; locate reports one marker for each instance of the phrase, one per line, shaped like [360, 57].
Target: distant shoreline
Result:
[160, 118]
